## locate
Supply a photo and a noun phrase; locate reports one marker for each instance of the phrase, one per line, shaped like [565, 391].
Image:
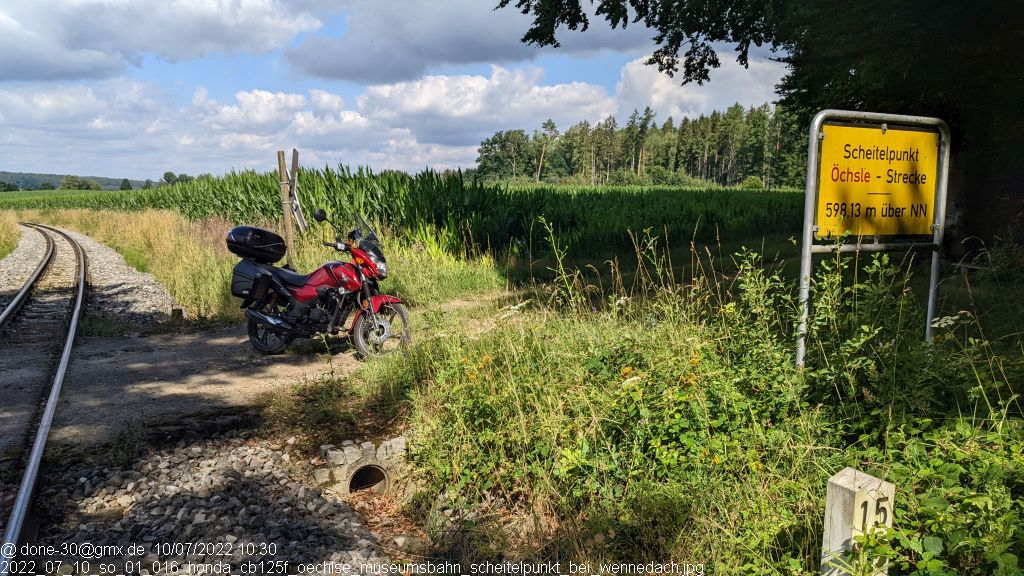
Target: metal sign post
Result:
[878, 176]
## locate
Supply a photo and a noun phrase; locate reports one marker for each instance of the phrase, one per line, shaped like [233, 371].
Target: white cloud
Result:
[456, 110]
[413, 37]
[129, 128]
[38, 54]
[52, 39]
[642, 85]
[107, 126]
[435, 121]
[65, 103]
[257, 111]
[324, 101]
[110, 105]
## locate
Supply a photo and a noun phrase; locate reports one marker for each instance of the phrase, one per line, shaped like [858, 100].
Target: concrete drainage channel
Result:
[354, 467]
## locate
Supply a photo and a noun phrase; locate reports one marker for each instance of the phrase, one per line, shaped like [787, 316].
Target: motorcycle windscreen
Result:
[366, 232]
[372, 248]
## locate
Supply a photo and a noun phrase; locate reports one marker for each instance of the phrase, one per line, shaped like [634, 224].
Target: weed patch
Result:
[665, 420]
[9, 233]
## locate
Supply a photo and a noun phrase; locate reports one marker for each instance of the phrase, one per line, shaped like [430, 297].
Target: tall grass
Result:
[9, 233]
[191, 259]
[664, 420]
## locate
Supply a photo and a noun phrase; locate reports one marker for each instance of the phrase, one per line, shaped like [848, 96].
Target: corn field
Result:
[463, 212]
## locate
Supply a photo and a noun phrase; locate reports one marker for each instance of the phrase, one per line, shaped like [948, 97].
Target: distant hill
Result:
[32, 181]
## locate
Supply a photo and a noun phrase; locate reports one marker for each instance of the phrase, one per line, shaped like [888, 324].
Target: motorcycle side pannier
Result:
[248, 282]
[261, 245]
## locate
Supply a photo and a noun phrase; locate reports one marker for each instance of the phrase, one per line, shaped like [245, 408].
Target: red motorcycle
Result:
[282, 305]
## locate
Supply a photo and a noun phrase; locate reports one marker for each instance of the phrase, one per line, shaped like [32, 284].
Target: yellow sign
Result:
[875, 182]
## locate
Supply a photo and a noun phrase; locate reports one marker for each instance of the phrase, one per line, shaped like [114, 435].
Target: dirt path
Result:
[177, 379]
[202, 380]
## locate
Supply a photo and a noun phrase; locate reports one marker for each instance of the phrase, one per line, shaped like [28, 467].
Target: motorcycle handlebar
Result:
[341, 247]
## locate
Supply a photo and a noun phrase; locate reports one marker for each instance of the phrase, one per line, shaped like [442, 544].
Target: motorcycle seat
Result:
[287, 277]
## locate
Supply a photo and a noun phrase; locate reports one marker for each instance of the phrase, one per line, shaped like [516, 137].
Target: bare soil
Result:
[175, 382]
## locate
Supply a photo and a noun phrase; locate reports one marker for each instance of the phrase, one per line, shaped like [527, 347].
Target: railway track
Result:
[37, 329]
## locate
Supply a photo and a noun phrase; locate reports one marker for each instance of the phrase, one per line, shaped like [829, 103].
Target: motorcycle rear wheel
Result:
[264, 340]
[376, 340]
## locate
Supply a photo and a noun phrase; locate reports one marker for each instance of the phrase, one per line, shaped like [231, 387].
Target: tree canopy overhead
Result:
[959, 61]
[695, 25]
[924, 51]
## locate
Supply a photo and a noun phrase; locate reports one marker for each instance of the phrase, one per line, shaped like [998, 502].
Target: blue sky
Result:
[138, 87]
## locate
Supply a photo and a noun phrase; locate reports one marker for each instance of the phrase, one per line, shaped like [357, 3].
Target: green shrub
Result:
[752, 183]
[671, 424]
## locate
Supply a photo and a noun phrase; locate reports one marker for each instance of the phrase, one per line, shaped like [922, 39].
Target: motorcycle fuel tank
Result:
[333, 274]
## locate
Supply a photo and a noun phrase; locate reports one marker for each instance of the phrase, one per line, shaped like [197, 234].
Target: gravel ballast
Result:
[241, 496]
[119, 293]
[16, 267]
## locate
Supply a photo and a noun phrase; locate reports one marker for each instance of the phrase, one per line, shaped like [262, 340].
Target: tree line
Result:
[72, 182]
[763, 146]
[13, 181]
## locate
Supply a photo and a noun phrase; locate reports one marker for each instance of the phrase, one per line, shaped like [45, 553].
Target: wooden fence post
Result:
[286, 207]
[293, 187]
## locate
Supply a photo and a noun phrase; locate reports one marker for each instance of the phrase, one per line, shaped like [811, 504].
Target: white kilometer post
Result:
[856, 503]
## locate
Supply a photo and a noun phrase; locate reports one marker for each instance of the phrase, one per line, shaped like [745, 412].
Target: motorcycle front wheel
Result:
[387, 332]
[264, 340]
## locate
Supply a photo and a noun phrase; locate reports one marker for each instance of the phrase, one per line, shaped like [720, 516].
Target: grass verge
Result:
[9, 233]
[191, 258]
[666, 422]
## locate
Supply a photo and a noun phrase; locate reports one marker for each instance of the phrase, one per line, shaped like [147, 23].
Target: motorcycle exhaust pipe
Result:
[272, 322]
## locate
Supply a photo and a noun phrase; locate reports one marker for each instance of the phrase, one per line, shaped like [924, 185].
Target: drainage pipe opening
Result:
[369, 477]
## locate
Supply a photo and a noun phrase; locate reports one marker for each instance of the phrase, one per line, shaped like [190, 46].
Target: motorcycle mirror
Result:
[319, 215]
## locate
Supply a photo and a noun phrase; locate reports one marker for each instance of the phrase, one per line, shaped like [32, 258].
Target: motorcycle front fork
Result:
[342, 309]
[368, 299]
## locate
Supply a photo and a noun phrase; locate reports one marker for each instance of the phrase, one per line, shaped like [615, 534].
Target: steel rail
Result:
[19, 298]
[24, 499]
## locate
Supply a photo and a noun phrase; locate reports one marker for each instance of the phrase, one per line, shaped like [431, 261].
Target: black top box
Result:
[261, 245]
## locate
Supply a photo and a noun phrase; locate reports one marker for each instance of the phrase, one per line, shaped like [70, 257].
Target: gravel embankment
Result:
[16, 267]
[119, 293]
[228, 490]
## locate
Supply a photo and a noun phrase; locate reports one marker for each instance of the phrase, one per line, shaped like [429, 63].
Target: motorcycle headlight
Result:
[382, 267]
